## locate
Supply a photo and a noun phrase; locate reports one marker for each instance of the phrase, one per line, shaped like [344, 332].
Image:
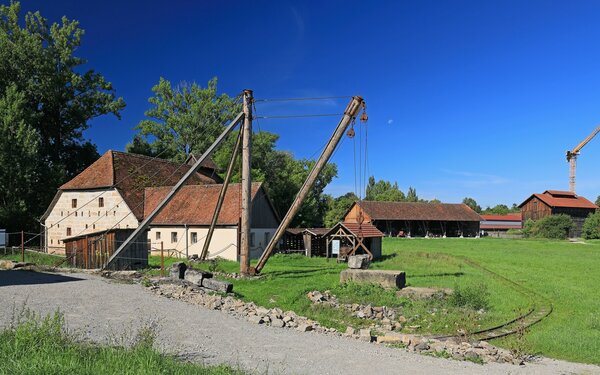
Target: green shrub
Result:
[554, 227]
[471, 296]
[528, 227]
[591, 227]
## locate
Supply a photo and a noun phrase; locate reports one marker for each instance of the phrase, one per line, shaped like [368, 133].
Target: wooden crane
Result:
[572, 158]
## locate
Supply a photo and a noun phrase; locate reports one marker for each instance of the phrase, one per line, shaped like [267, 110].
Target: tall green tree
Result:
[183, 119]
[59, 96]
[19, 151]
[472, 203]
[338, 208]
[282, 175]
[383, 191]
[598, 201]
[411, 195]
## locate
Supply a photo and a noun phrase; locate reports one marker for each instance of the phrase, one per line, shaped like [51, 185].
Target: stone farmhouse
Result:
[112, 193]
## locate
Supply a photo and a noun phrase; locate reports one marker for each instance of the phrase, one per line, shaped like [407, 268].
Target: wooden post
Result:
[349, 115]
[162, 260]
[246, 183]
[22, 246]
[222, 193]
[148, 219]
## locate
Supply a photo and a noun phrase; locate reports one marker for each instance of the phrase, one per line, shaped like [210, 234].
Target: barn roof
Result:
[418, 211]
[131, 173]
[194, 204]
[509, 217]
[562, 199]
[364, 230]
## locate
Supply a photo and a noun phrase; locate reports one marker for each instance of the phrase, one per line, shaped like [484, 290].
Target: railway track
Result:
[541, 308]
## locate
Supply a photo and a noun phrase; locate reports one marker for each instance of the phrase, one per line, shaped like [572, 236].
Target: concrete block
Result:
[217, 285]
[177, 270]
[387, 279]
[197, 277]
[359, 262]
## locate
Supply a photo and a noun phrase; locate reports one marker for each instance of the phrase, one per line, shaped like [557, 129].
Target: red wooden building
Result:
[554, 202]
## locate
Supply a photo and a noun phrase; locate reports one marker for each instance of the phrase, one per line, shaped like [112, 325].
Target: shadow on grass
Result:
[21, 277]
[294, 274]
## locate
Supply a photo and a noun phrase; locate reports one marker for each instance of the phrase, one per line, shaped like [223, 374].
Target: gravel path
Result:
[100, 309]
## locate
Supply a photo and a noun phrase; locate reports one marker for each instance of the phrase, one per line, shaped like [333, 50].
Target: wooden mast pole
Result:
[356, 103]
[246, 183]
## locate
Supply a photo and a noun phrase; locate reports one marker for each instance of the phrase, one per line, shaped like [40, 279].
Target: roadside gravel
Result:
[104, 310]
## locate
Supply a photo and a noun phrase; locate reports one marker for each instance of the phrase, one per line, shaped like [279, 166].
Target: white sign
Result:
[335, 247]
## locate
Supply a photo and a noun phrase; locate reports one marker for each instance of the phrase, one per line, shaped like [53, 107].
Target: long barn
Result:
[408, 219]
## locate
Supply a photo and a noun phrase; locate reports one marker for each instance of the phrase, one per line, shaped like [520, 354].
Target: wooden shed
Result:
[350, 238]
[92, 250]
[311, 241]
[553, 202]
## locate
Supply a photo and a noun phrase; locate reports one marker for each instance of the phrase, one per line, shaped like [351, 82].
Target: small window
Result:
[61, 213]
[194, 237]
[266, 238]
[173, 237]
[252, 239]
[58, 225]
[114, 213]
[100, 202]
[93, 226]
[51, 242]
[158, 235]
[86, 226]
[68, 231]
[75, 213]
[73, 203]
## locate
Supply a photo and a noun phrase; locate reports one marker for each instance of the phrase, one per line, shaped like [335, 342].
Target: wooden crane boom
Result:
[572, 158]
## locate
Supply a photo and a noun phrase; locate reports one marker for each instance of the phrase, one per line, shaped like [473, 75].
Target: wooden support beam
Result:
[146, 222]
[246, 184]
[356, 103]
[222, 193]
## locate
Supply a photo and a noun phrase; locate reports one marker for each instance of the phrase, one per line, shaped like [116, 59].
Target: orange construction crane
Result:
[572, 158]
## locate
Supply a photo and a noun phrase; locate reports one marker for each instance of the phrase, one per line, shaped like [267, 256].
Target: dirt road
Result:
[101, 309]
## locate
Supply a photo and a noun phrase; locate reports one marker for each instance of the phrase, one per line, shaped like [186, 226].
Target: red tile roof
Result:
[365, 230]
[194, 204]
[131, 173]
[418, 211]
[509, 217]
[563, 199]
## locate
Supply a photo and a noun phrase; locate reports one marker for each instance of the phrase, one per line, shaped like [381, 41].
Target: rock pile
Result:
[275, 317]
[388, 319]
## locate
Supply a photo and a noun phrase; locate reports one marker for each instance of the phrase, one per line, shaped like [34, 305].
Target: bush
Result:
[528, 227]
[472, 296]
[591, 227]
[554, 227]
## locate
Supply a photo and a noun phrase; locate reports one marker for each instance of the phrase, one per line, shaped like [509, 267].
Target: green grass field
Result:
[566, 274]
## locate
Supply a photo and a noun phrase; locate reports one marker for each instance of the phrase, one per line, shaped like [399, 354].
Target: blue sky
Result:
[465, 98]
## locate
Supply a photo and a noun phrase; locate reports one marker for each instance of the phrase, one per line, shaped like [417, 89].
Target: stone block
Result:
[217, 285]
[358, 262]
[387, 279]
[178, 270]
[388, 339]
[197, 277]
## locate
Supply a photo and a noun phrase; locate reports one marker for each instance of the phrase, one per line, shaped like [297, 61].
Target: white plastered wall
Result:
[224, 242]
[86, 218]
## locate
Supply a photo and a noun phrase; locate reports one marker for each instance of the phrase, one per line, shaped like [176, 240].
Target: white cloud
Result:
[390, 121]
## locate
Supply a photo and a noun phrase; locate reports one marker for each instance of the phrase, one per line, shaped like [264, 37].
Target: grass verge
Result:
[42, 345]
